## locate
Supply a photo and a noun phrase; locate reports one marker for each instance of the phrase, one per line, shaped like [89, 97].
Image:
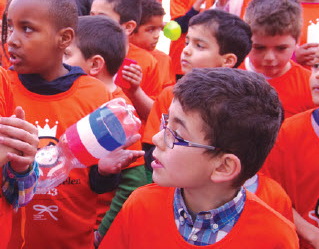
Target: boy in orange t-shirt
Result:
[208, 206]
[276, 27]
[101, 58]
[54, 96]
[142, 93]
[146, 36]
[293, 162]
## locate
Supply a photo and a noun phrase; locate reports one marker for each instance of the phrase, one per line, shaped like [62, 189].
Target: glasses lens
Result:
[168, 138]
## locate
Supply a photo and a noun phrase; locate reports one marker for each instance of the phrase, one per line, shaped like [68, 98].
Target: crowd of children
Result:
[225, 157]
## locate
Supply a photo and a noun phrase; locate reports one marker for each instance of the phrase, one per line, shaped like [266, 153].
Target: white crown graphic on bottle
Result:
[46, 131]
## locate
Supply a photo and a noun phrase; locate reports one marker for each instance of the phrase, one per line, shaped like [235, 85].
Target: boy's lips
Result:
[156, 164]
[184, 62]
[14, 58]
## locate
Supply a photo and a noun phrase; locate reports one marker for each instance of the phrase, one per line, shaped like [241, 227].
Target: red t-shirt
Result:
[147, 221]
[65, 216]
[293, 162]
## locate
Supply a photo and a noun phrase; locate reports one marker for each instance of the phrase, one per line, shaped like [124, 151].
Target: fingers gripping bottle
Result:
[85, 142]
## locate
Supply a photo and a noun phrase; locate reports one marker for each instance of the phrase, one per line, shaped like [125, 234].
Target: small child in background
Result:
[203, 155]
[146, 36]
[101, 58]
[276, 27]
[142, 93]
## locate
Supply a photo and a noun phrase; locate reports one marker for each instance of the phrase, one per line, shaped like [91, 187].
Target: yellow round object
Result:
[172, 30]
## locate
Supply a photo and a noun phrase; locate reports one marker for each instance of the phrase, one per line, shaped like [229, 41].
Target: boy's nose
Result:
[186, 50]
[12, 39]
[158, 140]
[269, 55]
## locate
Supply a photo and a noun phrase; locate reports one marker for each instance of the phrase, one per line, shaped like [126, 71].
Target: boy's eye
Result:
[315, 66]
[10, 28]
[259, 47]
[200, 45]
[27, 29]
[281, 48]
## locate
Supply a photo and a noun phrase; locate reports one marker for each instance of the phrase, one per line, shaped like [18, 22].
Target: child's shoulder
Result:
[262, 210]
[150, 195]
[140, 54]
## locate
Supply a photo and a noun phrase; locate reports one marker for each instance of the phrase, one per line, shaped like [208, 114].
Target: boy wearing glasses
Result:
[231, 118]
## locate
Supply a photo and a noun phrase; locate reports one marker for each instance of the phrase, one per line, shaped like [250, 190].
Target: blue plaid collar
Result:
[215, 219]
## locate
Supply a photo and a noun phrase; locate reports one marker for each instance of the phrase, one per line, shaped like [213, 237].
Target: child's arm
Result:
[139, 98]
[120, 158]
[306, 230]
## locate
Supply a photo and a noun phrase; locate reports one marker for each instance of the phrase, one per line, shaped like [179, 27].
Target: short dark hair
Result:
[151, 8]
[233, 35]
[64, 13]
[128, 10]
[241, 112]
[275, 17]
[100, 35]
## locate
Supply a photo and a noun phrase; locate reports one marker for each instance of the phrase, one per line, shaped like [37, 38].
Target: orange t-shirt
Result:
[151, 83]
[293, 89]
[167, 75]
[274, 195]
[65, 216]
[180, 8]
[160, 105]
[293, 162]
[147, 221]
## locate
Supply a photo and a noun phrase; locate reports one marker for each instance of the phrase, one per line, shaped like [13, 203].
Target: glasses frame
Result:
[180, 141]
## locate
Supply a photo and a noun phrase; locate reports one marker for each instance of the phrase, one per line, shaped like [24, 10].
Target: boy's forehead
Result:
[28, 9]
[102, 7]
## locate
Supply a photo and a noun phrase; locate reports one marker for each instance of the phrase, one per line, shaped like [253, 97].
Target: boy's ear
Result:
[129, 27]
[227, 168]
[97, 64]
[66, 37]
[230, 60]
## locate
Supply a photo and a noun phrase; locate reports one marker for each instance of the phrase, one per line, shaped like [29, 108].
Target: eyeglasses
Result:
[171, 138]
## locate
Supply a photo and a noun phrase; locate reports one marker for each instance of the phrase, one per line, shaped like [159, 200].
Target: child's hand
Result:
[118, 159]
[306, 53]
[21, 137]
[132, 74]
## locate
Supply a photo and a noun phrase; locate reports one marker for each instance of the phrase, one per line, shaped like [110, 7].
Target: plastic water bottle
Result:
[85, 142]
